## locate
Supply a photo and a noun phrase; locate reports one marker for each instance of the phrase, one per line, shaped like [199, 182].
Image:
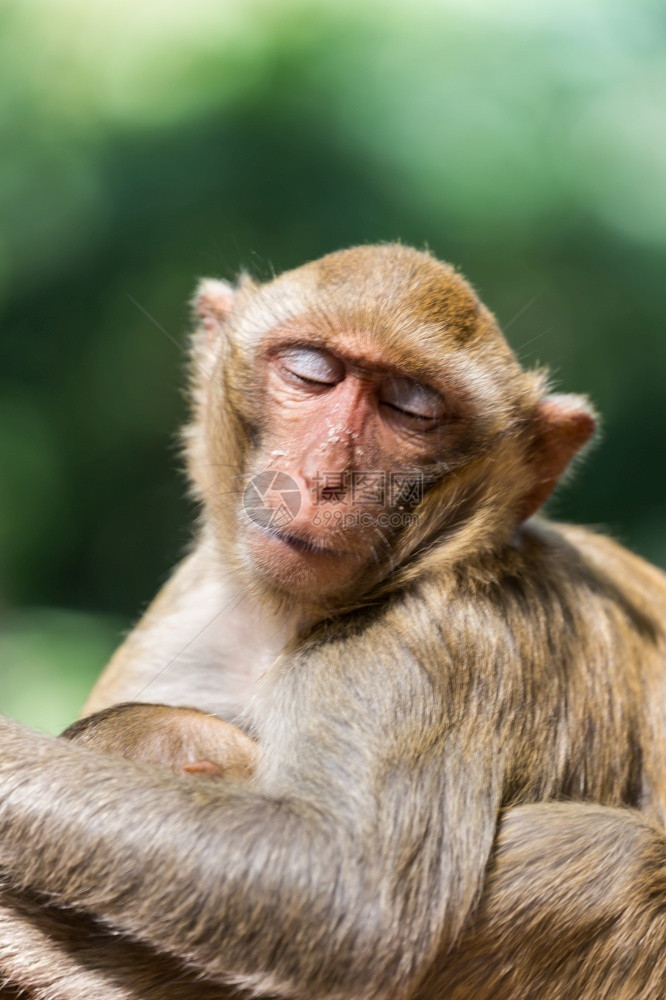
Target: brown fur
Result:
[461, 791]
[601, 874]
[182, 739]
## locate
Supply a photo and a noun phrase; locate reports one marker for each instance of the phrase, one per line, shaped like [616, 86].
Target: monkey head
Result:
[363, 416]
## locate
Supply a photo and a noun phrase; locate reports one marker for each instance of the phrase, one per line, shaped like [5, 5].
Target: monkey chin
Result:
[300, 567]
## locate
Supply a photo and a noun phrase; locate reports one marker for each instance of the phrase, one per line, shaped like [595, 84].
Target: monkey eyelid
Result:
[426, 419]
[311, 365]
[413, 399]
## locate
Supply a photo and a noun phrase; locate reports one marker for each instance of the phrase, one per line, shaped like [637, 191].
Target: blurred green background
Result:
[144, 145]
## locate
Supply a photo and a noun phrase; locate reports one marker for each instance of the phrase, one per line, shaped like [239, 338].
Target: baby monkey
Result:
[182, 739]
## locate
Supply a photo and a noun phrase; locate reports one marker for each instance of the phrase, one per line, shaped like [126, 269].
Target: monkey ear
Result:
[562, 425]
[213, 302]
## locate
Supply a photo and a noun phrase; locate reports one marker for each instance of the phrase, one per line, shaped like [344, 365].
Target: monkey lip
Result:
[302, 544]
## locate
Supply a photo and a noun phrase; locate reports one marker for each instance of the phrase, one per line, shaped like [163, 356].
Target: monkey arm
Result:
[341, 871]
[53, 952]
[573, 906]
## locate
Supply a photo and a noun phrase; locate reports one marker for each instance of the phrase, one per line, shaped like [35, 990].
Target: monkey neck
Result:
[256, 598]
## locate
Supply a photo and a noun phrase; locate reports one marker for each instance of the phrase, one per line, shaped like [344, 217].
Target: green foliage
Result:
[146, 145]
[49, 662]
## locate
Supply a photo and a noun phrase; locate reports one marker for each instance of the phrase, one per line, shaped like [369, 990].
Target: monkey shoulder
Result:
[564, 581]
[556, 598]
[607, 555]
[598, 567]
[556, 557]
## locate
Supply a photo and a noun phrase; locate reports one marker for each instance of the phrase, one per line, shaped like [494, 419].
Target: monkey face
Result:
[353, 440]
[372, 412]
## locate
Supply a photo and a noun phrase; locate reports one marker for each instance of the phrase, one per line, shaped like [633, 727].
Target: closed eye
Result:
[311, 366]
[412, 400]
[407, 413]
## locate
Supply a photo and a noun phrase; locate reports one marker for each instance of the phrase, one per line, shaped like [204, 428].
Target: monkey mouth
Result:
[301, 544]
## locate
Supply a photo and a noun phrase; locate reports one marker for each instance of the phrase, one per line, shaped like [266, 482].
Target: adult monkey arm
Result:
[572, 906]
[57, 953]
[311, 879]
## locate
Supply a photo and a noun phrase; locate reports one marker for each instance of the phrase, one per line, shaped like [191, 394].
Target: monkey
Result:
[602, 932]
[183, 739]
[460, 707]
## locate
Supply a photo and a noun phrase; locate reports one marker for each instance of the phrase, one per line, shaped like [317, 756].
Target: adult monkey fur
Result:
[421, 697]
